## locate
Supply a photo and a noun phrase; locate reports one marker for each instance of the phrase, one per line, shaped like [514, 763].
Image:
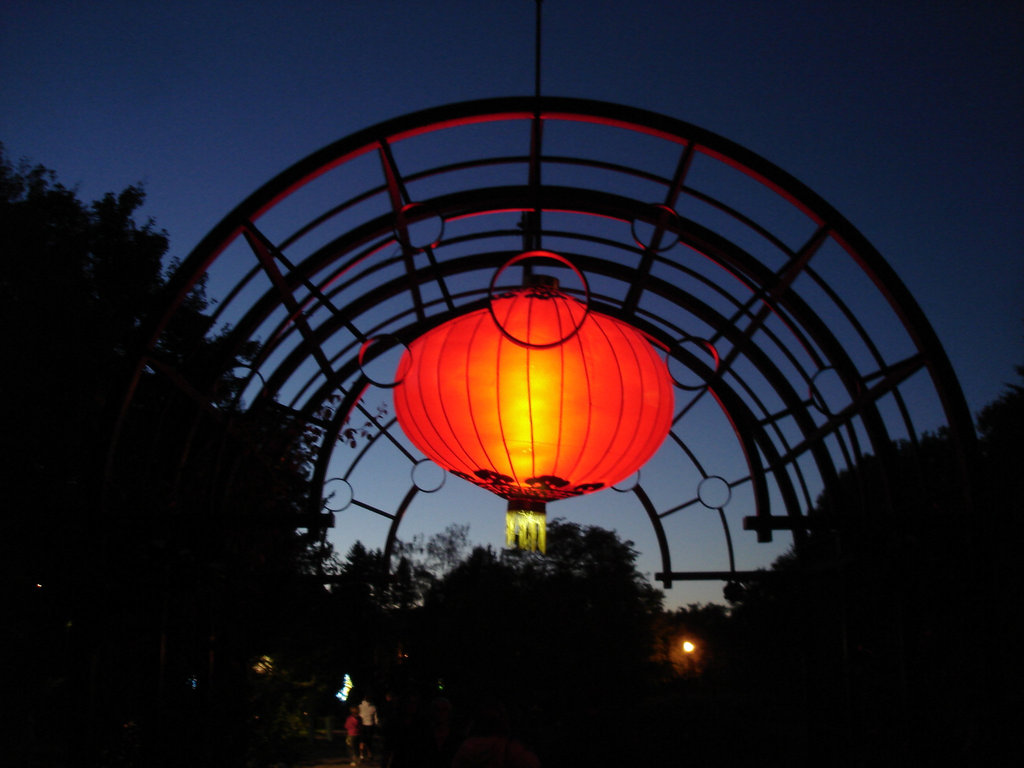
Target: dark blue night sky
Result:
[906, 116]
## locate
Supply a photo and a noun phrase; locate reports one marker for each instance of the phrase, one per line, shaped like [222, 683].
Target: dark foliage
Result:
[1001, 523]
[554, 637]
[135, 603]
[74, 282]
[173, 616]
[889, 635]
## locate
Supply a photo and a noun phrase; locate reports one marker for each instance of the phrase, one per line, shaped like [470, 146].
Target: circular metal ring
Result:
[428, 476]
[714, 492]
[337, 486]
[540, 254]
[628, 484]
[827, 392]
[650, 239]
[673, 370]
[413, 227]
[375, 362]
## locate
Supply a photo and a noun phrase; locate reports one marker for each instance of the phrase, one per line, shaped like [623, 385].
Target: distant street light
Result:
[688, 647]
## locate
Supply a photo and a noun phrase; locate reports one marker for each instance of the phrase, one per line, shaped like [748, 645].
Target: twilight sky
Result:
[906, 116]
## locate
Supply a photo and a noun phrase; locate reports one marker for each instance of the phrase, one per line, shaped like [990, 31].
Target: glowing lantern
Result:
[535, 399]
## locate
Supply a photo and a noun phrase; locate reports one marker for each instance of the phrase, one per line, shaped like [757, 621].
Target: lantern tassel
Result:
[526, 525]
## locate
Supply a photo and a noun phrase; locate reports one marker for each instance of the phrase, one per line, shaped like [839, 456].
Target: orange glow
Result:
[530, 409]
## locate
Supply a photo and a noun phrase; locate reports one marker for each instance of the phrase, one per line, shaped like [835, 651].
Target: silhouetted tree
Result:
[1001, 513]
[135, 603]
[560, 638]
[74, 283]
[889, 623]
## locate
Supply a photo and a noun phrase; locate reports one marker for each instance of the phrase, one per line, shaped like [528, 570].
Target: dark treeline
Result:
[153, 621]
[134, 598]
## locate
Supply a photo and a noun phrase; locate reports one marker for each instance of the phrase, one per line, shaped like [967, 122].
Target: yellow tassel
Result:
[526, 526]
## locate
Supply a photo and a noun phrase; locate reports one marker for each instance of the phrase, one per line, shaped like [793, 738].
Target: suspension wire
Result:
[536, 53]
[533, 219]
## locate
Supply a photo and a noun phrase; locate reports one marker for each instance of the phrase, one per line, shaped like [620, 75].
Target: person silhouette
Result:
[368, 727]
[489, 744]
[352, 726]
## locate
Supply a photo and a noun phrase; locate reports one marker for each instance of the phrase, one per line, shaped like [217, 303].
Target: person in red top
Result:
[352, 724]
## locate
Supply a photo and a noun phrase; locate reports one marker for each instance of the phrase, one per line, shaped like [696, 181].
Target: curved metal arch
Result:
[747, 432]
[763, 363]
[341, 286]
[700, 240]
[415, 278]
[745, 429]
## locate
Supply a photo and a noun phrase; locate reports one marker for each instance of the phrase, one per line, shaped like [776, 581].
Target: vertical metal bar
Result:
[647, 260]
[773, 292]
[536, 51]
[659, 531]
[399, 197]
[314, 290]
[532, 219]
[261, 247]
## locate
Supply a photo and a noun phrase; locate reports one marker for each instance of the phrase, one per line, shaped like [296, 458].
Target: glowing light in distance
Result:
[346, 688]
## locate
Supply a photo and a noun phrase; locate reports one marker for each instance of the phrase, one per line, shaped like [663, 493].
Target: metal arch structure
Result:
[781, 320]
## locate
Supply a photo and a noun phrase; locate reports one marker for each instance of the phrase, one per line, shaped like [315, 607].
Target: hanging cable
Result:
[532, 220]
[536, 54]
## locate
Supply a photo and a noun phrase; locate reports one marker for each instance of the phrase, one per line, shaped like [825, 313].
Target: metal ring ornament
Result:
[708, 346]
[662, 214]
[347, 495]
[711, 485]
[421, 473]
[628, 484]
[818, 397]
[402, 225]
[400, 368]
[539, 254]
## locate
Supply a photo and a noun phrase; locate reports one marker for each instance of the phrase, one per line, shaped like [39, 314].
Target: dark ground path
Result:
[330, 754]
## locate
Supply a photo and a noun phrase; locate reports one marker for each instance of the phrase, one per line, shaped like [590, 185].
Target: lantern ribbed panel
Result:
[539, 419]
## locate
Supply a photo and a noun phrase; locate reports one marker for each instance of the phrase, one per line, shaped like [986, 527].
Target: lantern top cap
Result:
[542, 281]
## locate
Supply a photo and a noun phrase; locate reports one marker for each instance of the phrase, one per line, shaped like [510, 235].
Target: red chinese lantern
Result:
[535, 399]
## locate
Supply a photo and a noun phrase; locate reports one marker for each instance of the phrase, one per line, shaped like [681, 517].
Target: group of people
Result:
[413, 736]
[360, 731]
